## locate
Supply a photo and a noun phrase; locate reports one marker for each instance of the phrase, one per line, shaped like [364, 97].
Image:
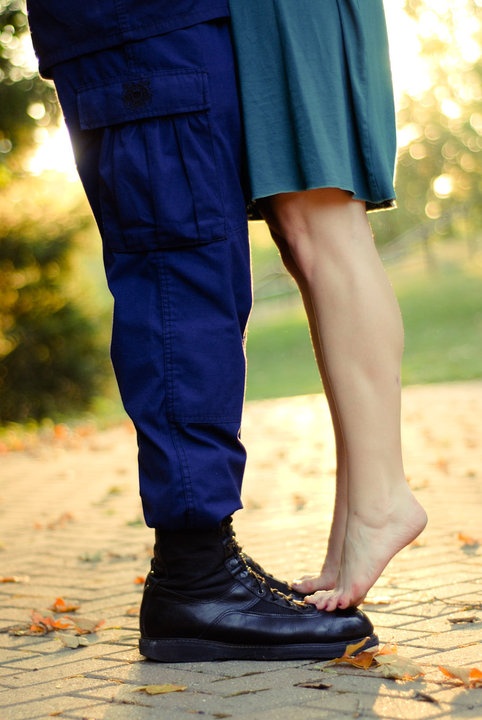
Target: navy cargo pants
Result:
[155, 127]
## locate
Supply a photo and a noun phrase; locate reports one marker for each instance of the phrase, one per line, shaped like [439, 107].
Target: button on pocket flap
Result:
[135, 98]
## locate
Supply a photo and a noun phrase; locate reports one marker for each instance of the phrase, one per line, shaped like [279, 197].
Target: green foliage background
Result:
[53, 353]
[53, 342]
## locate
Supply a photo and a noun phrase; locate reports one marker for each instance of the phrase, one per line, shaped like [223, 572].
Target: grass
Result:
[442, 313]
[280, 359]
[441, 309]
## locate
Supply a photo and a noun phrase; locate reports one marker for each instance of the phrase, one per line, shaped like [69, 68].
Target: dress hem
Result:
[386, 203]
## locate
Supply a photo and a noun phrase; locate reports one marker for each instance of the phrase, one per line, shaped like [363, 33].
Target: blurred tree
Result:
[27, 103]
[53, 349]
[439, 176]
[53, 359]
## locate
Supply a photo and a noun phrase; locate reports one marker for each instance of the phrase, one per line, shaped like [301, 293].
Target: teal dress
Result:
[317, 96]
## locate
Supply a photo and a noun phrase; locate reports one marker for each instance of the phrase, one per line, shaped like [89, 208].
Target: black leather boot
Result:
[229, 539]
[202, 602]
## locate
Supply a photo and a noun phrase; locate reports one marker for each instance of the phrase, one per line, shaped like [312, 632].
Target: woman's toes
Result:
[306, 584]
[312, 583]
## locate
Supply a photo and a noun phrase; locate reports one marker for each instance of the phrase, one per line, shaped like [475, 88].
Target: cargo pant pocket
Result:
[159, 185]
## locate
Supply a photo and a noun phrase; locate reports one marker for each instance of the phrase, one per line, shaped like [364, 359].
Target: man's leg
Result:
[165, 186]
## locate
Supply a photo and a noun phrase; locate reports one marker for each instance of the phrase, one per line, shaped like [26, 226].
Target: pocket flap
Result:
[135, 98]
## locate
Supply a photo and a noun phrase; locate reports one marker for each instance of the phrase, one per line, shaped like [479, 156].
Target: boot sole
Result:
[172, 650]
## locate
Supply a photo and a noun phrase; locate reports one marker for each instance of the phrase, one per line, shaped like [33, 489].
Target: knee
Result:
[291, 237]
[315, 227]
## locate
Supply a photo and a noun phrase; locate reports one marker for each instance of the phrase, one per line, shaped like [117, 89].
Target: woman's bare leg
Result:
[326, 580]
[361, 342]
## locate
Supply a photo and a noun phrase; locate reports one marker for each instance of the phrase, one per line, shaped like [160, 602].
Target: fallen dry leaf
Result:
[299, 501]
[397, 667]
[470, 677]
[415, 544]
[314, 685]
[14, 579]
[43, 624]
[61, 521]
[132, 611]
[361, 660]
[475, 675]
[385, 662]
[377, 600]
[467, 539]
[72, 641]
[472, 606]
[91, 557]
[85, 626]
[161, 689]
[388, 649]
[60, 606]
[461, 620]
[425, 697]
[442, 464]
[354, 647]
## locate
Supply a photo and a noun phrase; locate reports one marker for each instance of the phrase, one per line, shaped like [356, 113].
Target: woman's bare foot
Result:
[328, 576]
[307, 584]
[370, 543]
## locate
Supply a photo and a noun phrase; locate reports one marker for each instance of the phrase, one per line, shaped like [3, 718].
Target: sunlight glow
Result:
[443, 186]
[410, 73]
[54, 153]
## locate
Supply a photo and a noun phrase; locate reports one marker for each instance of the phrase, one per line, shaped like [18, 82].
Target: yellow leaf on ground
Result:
[467, 539]
[398, 667]
[475, 676]
[385, 662]
[41, 625]
[84, 626]
[161, 689]
[377, 600]
[60, 606]
[388, 650]
[470, 677]
[361, 660]
[72, 641]
[354, 647]
[133, 611]
[14, 579]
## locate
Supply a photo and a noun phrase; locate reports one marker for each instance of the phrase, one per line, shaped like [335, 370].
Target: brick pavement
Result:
[70, 527]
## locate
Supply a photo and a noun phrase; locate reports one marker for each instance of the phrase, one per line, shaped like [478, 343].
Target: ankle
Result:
[193, 560]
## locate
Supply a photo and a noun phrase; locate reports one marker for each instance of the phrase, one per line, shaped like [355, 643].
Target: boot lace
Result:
[252, 574]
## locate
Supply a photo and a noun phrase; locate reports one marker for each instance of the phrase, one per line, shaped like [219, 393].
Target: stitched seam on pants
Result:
[168, 369]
